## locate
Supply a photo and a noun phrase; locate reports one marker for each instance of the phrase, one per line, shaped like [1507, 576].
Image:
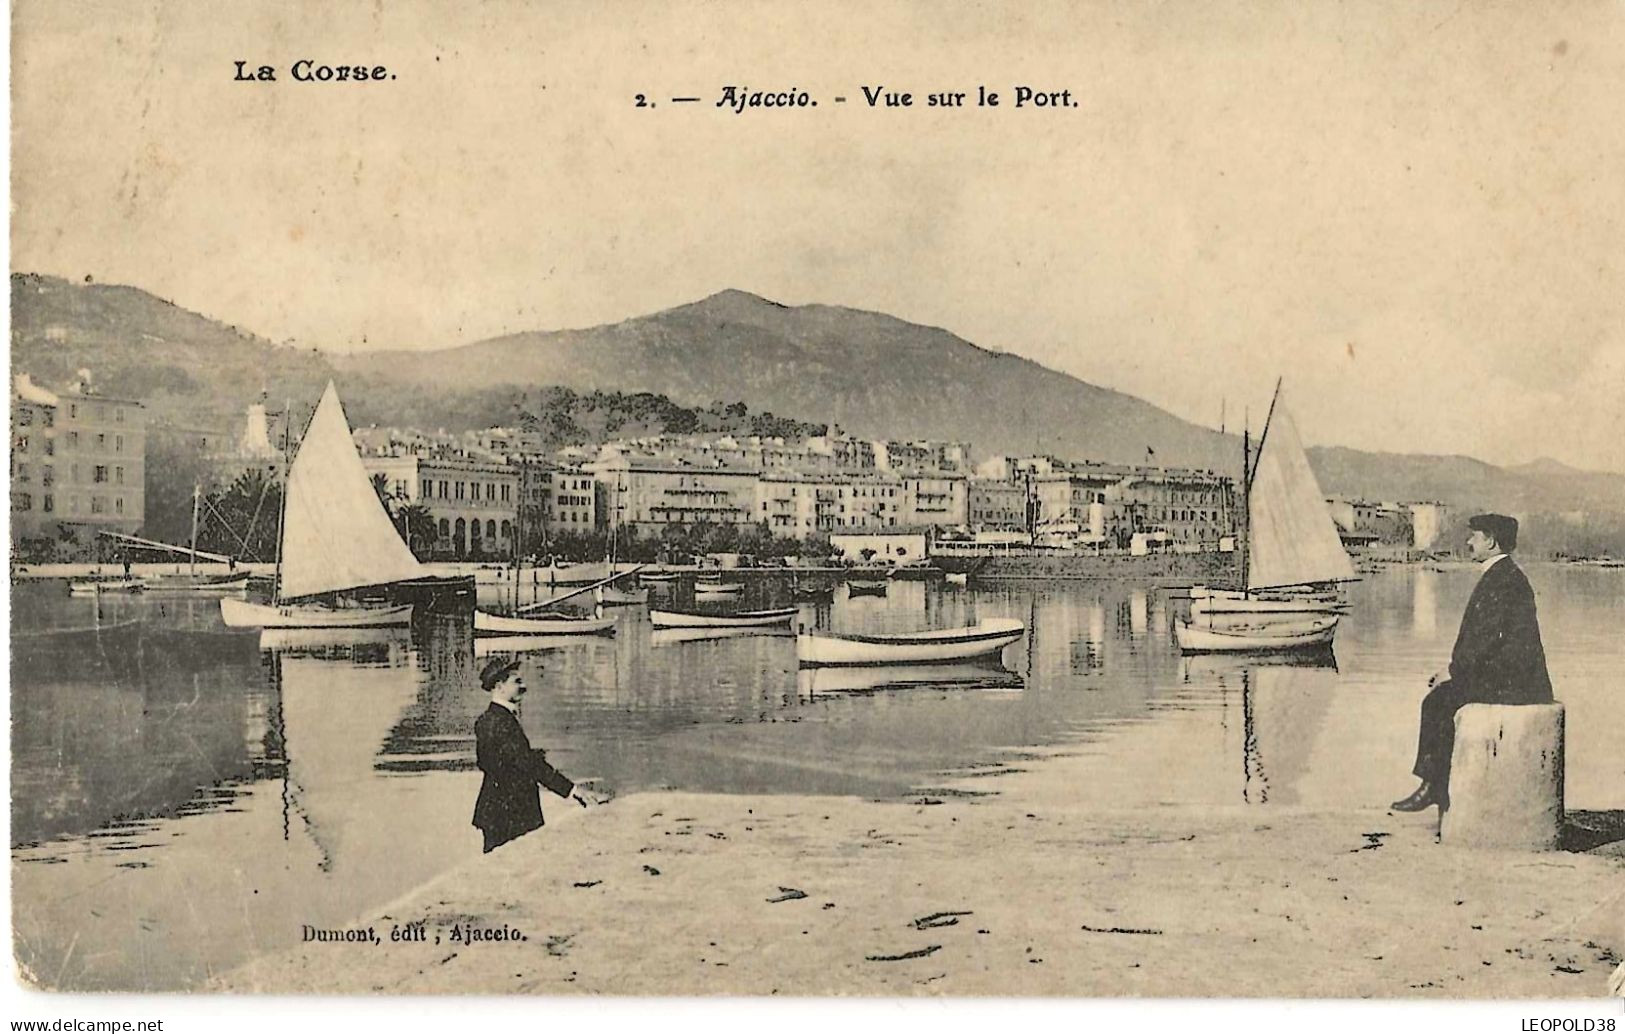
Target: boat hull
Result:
[188, 585]
[243, 614]
[1256, 637]
[487, 624]
[1225, 601]
[610, 596]
[987, 639]
[111, 586]
[743, 619]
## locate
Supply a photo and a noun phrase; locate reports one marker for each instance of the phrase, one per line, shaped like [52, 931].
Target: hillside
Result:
[872, 374]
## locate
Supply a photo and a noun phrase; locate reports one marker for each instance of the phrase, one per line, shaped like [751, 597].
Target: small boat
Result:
[541, 624]
[661, 577]
[717, 590]
[1268, 634]
[107, 586]
[956, 578]
[334, 539]
[988, 638]
[615, 596]
[198, 583]
[243, 614]
[1289, 541]
[1229, 601]
[736, 619]
[917, 571]
[866, 588]
[812, 593]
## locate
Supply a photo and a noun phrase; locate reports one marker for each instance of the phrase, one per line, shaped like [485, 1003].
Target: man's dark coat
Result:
[1498, 659]
[509, 804]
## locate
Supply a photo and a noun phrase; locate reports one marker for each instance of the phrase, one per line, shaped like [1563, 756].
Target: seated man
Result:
[1498, 658]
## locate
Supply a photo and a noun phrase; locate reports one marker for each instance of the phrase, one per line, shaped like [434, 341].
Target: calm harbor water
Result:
[184, 795]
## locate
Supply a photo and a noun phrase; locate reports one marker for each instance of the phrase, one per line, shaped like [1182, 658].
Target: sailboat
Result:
[540, 618]
[1290, 543]
[191, 581]
[335, 538]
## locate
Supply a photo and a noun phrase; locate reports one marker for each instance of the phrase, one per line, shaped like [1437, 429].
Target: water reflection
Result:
[1283, 700]
[202, 789]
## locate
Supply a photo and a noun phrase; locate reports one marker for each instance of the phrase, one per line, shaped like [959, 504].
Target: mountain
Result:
[872, 374]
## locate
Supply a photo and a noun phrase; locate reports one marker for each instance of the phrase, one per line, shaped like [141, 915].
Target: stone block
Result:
[1506, 777]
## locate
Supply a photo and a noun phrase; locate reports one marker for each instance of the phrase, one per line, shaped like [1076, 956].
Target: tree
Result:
[420, 529]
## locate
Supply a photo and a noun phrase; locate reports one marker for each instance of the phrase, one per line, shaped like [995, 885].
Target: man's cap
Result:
[496, 669]
[1498, 526]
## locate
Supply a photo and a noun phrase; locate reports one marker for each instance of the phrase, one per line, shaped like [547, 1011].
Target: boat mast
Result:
[1265, 433]
[282, 508]
[1246, 499]
[191, 567]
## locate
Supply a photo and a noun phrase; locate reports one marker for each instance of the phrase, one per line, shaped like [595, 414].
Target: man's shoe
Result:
[1422, 798]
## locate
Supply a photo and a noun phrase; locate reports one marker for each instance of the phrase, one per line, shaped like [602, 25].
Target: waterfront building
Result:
[883, 545]
[474, 504]
[1363, 524]
[78, 463]
[996, 504]
[935, 499]
[652, 494]
[798, 505]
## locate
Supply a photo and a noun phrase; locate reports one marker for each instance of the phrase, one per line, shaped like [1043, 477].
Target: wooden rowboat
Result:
[933, 647]
[243, 614]
[1270, 633]
[106, 586]
[737, 619]
[486, 623]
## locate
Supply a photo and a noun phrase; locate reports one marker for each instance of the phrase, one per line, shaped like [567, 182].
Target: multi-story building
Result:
[78, 463]
[937, 500]
[572, 503]
[649, 495]
[475, 505]
[1362, 524]
[798, 505]
[996, 505]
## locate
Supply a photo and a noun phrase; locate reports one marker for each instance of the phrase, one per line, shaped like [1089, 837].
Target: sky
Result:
[1411, 212]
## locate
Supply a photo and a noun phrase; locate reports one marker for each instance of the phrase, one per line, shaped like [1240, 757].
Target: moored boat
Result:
[717, 590]
[1289, 543]
[736, 619]
[487, 624]
[198, 583]
[1229, 601]
[246, 614]
[865, 587]
[988, 638]
[1267, 634]
[334, 540]
[107, 586]
[615, 596]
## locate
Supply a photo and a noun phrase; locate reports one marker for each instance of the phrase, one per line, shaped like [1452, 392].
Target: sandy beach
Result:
[1019, 893]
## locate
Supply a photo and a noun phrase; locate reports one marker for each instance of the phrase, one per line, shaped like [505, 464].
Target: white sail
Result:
[1291, 537]
[335, 533]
